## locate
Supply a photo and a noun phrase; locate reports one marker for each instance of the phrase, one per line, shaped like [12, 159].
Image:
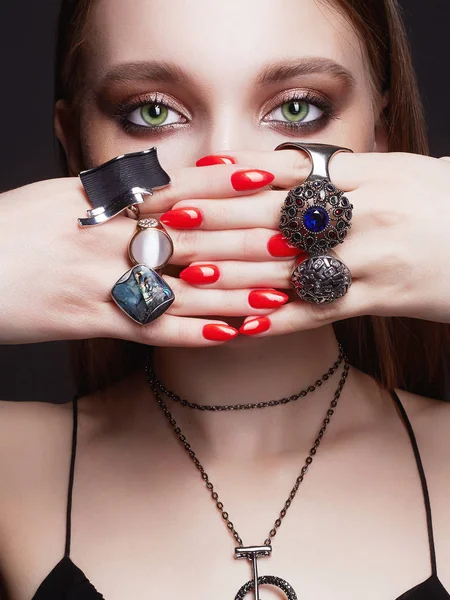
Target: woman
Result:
[220, 85]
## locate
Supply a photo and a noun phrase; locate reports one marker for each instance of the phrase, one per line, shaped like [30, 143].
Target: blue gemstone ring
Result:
[316, 215]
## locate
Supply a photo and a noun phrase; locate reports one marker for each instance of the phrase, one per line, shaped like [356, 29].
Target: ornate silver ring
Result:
[321, 279]
[316, 215]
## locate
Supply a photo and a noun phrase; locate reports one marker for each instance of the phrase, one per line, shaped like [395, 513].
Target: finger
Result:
[218, 181]
[256, 244]
[194, 301]
[166, 330]
[230, 274]
[291, 167]
[262, 210]
[301, 316]
[348, 170]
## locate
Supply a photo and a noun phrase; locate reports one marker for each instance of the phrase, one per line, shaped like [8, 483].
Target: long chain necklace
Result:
[252, 553]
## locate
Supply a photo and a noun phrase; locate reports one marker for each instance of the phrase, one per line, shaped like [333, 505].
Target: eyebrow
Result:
[144, 71]
[282, 70]
[166, 72]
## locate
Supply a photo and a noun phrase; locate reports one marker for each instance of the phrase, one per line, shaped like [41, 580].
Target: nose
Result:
[230, 129]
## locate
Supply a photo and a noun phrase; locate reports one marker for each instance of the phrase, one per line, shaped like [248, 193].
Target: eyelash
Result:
[125, 108]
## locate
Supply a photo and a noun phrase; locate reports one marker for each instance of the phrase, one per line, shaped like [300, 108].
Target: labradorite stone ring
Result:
[321, 279]
[316, 215]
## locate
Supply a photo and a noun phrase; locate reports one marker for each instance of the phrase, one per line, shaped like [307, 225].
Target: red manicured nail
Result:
[219, 333]
[207, 161]
[182, 218]
[279, 246]
[200, 274]
[255, 326]
[251, 179]
[266, 298]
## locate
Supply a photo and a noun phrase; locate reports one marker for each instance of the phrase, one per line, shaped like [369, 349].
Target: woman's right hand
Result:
[57, 277]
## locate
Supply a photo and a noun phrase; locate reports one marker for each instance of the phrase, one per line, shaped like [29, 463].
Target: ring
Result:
[315, 216]
[150, 244]
[120, 183]
[321, 279]
[141, 292]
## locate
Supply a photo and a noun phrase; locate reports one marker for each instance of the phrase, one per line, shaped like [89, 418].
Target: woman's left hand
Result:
[398, 247]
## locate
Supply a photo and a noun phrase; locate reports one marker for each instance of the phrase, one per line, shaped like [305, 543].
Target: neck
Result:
[250, 370]
[247, 369]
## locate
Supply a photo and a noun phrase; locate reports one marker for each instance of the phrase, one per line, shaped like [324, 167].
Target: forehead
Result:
[220, 40]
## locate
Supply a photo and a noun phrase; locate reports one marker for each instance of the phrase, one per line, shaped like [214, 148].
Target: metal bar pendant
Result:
[252, 553]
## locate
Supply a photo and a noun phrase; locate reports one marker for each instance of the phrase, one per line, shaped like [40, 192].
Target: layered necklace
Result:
[252, 553]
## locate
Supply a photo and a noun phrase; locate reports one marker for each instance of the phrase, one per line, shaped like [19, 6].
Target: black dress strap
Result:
[423, 480]
[71, 475]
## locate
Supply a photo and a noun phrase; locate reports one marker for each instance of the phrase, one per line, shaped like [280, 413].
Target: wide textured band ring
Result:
[321, 279]
[316, 215]
[141, 292]
[120, 183]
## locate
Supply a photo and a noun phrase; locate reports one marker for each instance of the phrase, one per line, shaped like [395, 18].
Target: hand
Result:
[56, 278]
[398, 248]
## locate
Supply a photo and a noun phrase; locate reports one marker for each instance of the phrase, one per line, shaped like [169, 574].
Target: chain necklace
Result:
[153, 381]
[252, 553]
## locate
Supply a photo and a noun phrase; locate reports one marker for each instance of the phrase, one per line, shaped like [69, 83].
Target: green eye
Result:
[154, 114]
[295, 110]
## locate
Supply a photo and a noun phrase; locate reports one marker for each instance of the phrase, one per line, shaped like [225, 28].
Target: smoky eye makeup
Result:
[296, 110]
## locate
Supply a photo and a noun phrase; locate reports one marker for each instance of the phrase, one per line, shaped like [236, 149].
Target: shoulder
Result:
[425, 411]
[430, 420]
[28, 433]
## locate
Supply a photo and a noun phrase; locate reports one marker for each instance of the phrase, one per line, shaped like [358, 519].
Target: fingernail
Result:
[279, 246]
[219, 333]
[182, 218]
[266, 298]
[207, 161]
[255, 326]
[200, 274]
[251, 179]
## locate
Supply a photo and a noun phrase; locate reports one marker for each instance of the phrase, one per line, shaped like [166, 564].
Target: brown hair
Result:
[397, 352]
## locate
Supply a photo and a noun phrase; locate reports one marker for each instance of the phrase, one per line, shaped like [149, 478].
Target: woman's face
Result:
[207, 76]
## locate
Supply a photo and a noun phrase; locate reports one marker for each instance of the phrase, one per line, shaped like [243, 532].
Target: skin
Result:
[140, 516]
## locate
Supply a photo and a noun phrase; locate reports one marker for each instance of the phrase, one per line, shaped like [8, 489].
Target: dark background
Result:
[28, 150]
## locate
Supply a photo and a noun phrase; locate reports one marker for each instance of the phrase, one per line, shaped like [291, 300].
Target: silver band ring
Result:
[316, 215]
[321, 279]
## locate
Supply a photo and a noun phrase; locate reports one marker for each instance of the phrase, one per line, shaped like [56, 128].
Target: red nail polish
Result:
[255, 326]
[200, 274]
[279, 246]
[251, 179]
[266, 298]
[207, 161]
[182, 218]
[219, 333]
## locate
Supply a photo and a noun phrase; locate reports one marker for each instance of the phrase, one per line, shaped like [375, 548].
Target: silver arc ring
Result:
[316, 215]
[321, 279]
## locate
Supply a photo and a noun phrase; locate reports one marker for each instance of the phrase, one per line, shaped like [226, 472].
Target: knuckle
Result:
[251, 240]
[322, 314]
[300, 165]
[187, 243]
[386, 217]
